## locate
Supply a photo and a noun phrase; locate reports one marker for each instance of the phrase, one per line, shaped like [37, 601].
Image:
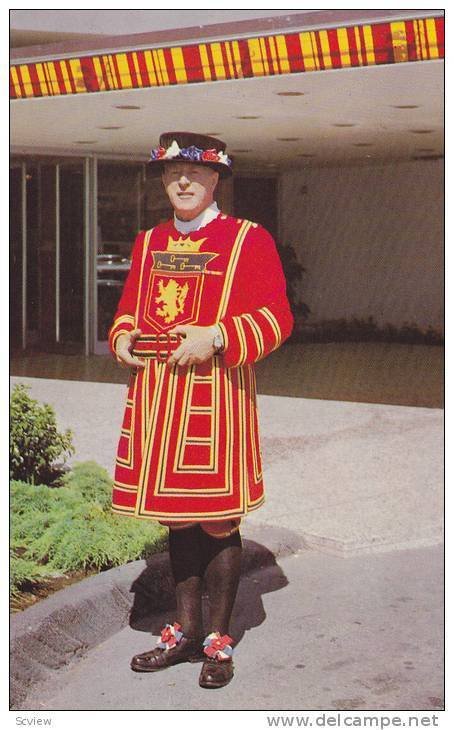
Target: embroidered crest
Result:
[182, 262]
[184, 244]
[172, 296]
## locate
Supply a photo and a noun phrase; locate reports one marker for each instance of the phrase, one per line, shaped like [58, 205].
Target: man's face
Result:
[190, 188]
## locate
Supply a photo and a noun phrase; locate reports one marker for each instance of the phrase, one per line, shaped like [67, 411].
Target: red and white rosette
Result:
[218, 647]
[170, 636]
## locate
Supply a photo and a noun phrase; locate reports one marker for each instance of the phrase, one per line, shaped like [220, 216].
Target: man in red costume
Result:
[205, 298]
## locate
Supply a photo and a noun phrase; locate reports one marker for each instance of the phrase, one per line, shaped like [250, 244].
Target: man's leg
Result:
[186, 560]
[222, 562]
[221, 544]
[185, 551]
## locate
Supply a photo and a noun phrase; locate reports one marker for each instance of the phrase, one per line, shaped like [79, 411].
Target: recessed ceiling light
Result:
[127, 106]
[248, 116]
[289, 93]
[344, 125]
[288, 139]
[405, 106]
[363, 144]
[421, 131]
[110, 127]
[85, 141]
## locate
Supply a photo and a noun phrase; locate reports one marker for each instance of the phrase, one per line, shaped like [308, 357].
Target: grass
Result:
[70, 529]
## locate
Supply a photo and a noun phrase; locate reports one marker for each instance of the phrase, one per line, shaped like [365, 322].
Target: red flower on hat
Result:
[160, 152]
[210, 155]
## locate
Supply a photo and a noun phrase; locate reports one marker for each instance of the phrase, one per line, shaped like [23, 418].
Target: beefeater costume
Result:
[189, 446]
[189, 451]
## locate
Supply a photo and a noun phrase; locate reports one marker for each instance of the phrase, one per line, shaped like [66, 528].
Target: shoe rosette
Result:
[170, 636]
[218, 647]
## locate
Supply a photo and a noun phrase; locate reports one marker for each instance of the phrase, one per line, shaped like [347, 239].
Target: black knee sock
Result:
[186, 561]
[222, 566]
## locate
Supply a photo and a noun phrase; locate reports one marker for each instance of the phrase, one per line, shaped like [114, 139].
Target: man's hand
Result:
[197, 346]
[123, 348]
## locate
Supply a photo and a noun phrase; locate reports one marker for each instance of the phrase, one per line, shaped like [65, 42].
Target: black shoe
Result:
[173, 648]
[215, 673]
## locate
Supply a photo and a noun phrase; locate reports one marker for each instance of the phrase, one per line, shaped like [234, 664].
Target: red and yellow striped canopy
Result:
[267, 55]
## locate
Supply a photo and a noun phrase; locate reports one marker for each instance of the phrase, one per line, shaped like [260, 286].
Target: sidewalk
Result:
[343, 480]
[314, 632]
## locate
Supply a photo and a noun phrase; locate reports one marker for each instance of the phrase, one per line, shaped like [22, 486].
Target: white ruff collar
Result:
[205, 217]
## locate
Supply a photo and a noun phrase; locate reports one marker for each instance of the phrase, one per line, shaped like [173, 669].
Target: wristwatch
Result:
[218, 341]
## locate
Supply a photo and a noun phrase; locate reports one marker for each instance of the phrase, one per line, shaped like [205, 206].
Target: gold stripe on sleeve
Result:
[242, 340]
[257, 334]
[274, 324]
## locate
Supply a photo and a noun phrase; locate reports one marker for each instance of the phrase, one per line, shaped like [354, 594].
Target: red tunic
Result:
[189, 445]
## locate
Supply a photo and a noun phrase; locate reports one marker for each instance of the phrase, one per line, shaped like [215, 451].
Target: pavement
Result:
[343, 480]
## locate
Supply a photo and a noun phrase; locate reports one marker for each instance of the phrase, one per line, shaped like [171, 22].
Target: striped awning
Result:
[376, 44]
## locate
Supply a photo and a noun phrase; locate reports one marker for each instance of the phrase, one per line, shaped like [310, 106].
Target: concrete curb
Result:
[64, 626]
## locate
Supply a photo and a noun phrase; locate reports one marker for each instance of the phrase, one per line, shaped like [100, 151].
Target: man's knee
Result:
[173, 525]
[221, 528]
[214, 528]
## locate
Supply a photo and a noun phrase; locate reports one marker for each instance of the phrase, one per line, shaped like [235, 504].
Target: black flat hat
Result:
[199, 149]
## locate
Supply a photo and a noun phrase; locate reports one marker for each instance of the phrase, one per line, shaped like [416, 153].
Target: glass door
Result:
[118, 220]
[17, 241]
[47, 255]
[70, 257]
[44, 250]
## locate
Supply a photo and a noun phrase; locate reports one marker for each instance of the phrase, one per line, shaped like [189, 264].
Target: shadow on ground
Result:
[248, 612]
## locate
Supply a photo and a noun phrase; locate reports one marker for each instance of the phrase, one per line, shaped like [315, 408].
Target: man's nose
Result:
[184, 182]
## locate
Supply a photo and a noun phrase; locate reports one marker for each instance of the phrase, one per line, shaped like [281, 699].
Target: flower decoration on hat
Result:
[192, 153]
[222, 157]
[172, 151]
[189, 154]
[218, 647]
[211, 155]
[170, 636]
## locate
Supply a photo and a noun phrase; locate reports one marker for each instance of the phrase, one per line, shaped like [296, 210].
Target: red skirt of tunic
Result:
[189, 444]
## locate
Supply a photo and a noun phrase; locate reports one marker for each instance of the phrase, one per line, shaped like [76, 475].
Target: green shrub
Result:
[90, 538]
[91, 482]
[24, 573]
[35, 443]
[35, 508]
[73, 528]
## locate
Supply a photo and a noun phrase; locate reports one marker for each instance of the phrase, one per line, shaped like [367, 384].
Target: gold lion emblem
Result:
[172, 298]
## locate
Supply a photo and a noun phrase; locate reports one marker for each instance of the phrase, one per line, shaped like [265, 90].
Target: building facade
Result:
[335, 123]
